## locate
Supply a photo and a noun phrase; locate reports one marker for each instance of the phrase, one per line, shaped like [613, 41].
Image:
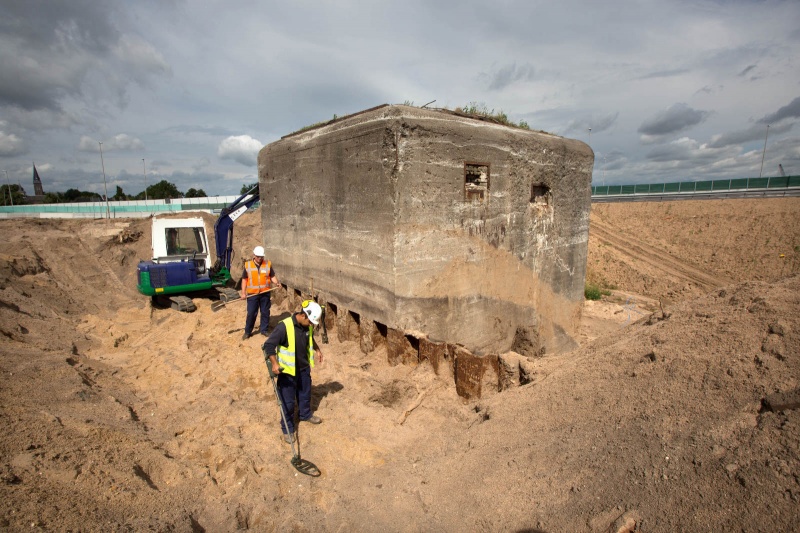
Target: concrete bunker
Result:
[428, 221]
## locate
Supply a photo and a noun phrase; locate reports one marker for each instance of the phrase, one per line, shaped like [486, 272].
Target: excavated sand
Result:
[679, 412]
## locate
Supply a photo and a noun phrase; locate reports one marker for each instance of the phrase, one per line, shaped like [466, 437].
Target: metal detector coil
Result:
[304, 466]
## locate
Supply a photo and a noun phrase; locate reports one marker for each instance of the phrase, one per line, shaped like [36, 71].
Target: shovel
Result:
[219, 304]
[303, 466]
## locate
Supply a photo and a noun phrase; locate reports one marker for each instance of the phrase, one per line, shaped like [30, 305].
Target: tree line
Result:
[14, 194]
[158, 191]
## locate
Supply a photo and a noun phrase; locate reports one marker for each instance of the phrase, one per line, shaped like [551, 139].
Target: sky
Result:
[190, 91]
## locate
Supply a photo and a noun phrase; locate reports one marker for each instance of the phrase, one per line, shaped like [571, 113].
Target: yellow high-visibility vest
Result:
[286, 354]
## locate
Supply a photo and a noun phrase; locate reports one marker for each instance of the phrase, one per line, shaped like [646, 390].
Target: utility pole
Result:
[145, 180]
[105, 187]
[8, 184]
[764, 152]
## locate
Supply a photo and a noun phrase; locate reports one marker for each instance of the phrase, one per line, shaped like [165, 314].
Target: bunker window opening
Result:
[477, 179]
[540, 194]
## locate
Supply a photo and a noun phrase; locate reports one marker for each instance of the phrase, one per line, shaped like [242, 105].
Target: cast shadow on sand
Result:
[318, 392]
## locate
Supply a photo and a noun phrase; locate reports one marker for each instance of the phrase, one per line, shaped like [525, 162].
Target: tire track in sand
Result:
[660, 260]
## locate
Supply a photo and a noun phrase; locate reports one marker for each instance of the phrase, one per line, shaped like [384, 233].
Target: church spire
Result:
[37, 183]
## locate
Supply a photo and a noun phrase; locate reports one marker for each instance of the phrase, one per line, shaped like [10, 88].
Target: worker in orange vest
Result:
[258, 278]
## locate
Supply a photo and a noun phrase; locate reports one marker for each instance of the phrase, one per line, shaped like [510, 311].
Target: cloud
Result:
[665, 73]
[508, 74]
[597, 124]
[121, 142]
[184, 129]
[748, 69]
[11, 145]
[140, 59]
[202, 163]
[676, 118]
[755, 132]
[241, 148]
[613, 160]
[710, 89]
[792, 110]
[70, 55]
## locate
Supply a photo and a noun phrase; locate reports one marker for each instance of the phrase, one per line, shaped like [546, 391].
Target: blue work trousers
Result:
[254, 304]
[295, 390]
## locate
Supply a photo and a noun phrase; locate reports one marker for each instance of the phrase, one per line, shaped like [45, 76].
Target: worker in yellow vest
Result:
[258, 278]
[292, 352]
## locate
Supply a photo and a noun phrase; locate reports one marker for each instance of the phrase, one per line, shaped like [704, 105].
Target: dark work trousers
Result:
[293, 388]
[254, 304]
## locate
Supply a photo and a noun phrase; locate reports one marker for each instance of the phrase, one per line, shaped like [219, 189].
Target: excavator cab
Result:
[180, 262]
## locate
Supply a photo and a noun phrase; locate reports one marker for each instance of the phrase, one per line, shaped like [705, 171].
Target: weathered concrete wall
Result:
[375, 209]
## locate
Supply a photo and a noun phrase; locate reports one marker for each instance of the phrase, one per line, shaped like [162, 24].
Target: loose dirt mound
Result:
[120, 416]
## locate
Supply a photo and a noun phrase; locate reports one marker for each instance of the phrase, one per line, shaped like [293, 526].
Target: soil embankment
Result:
[671, 416]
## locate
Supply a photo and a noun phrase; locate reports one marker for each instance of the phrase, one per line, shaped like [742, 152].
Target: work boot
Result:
[313, 420]
[288, 438]
[245, 336]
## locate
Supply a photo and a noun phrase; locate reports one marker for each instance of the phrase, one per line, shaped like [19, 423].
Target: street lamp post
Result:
[145, 180]
[105, 186]
[8, 185]
[764, 152]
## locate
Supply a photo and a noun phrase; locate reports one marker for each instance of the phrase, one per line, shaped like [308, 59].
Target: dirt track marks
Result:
[661, 260]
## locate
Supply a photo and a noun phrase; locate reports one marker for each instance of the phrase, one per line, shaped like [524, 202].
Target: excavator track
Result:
[227, 294]
[182, 303]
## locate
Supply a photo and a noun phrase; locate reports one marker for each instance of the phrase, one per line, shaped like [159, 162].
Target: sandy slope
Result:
[118, 416]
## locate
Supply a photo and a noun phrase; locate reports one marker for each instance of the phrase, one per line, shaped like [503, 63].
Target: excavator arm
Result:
[223, 233]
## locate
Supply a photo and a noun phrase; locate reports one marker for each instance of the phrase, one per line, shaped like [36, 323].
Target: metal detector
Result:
[304, 466]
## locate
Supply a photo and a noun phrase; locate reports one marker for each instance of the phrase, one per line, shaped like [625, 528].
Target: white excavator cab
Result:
[180, 239]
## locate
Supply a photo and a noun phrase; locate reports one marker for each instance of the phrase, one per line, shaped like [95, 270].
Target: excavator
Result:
[181, 263]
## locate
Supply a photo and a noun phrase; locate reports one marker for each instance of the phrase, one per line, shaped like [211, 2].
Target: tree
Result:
[195, 193]
[53, 197]
[17, 195]
[74, 195]
[246, 188]
[119, 195]
[163, 189]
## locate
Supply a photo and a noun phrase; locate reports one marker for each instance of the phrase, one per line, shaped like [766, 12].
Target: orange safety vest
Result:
[257, 277]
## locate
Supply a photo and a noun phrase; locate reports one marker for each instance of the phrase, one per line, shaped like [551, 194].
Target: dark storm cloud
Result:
[792, 110]
[676, 118]
[55, 53]
[45, 49]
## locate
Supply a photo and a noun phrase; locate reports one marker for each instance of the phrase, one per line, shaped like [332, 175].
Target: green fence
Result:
[741, 184]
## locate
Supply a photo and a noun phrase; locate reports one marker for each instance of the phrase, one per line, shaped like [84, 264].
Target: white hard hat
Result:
[313, 311]
[258, 251]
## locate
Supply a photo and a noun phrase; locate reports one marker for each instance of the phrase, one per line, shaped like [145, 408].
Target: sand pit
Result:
[675, 414]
